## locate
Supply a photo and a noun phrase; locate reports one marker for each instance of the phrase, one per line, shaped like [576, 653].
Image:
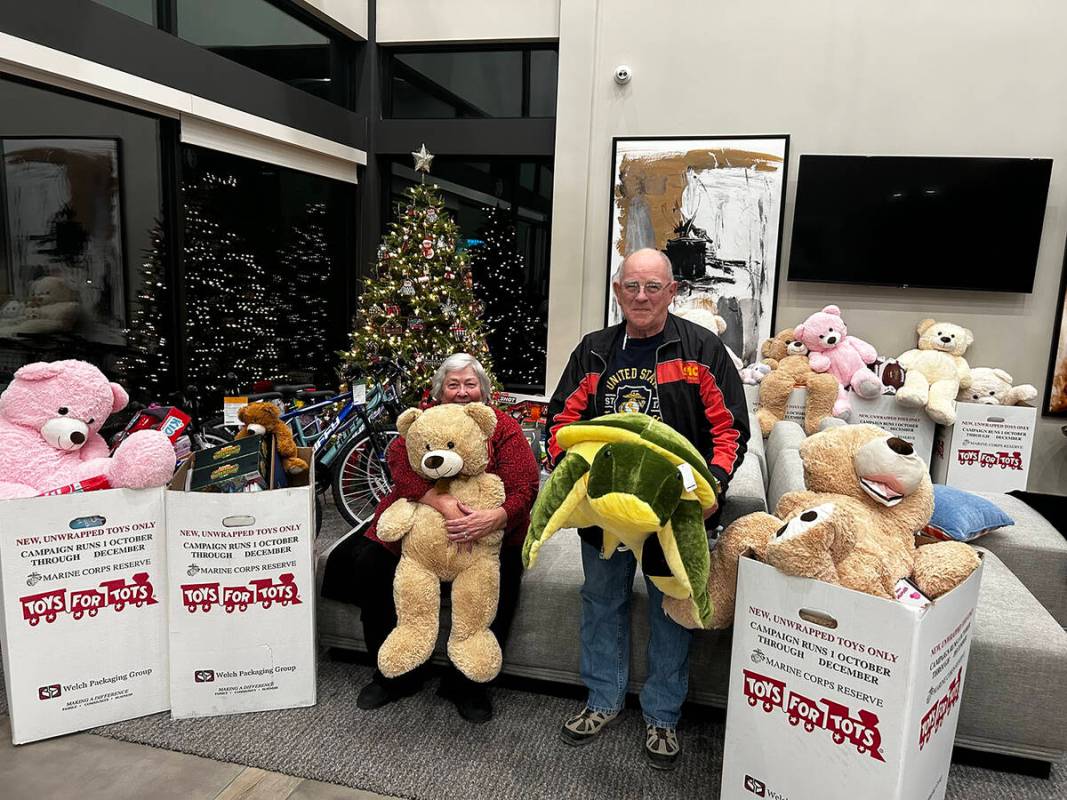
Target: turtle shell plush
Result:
[646, 486]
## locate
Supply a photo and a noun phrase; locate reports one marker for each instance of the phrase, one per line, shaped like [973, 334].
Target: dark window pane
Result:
[261, 36]
[544, 66]
[144, 10]
[457, 84]
[504, 216]
[266, 291]
[83, 271]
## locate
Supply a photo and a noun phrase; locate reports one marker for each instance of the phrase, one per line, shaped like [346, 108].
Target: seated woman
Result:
[459, 379]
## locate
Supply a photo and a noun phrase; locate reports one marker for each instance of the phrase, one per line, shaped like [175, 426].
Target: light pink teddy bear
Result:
[50, 417]
[845, 357]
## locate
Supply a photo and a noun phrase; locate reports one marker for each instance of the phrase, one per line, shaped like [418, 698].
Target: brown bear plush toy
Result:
[868, 494]
[261, 418]
[788, 359]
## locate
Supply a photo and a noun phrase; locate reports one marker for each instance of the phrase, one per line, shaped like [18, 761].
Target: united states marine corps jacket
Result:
[700, 392]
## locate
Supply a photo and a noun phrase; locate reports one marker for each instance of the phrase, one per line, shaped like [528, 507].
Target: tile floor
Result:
[88, 767]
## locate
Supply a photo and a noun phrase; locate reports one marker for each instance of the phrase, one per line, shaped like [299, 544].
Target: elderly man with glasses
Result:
[661, 365]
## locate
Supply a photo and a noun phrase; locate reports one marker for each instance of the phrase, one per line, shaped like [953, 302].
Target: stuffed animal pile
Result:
[833, 351]
[787, 358]
[50, 420]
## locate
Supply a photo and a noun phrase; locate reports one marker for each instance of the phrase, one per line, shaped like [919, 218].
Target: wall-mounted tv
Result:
[929, 221]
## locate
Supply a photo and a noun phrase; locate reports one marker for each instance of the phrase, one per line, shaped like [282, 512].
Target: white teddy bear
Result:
[936, 371]
[993, 387]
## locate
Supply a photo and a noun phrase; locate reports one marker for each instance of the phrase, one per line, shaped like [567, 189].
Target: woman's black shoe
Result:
[474, 705]
[373, 696]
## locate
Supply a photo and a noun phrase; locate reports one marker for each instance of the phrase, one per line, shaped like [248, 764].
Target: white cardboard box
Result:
[242, 605]
[84, 621]
[863, 705]
[910, 424]
[987, 450]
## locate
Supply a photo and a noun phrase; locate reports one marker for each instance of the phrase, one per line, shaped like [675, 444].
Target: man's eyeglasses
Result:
[652, 288]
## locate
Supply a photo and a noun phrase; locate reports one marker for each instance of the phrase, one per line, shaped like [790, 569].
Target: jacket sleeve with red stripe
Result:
[725, 410]
[573, 399]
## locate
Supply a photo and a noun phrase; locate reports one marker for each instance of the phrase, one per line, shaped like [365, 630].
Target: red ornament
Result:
[392, 311]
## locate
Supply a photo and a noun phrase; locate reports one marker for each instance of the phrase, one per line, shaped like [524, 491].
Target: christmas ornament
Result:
[458, 330]
[392, 328]
[416, 324]
[427, 248]
[422, 157]
[423, 279]
[431, 215]
[392, 310]
[408, 288]
[441, 244]
[448, 308]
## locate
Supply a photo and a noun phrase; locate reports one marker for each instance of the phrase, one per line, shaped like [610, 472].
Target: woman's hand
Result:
[474, 525]
[445, 504]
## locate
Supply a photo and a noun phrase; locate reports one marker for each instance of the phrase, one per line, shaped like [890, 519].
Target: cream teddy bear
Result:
[936, 370]
[994, 387]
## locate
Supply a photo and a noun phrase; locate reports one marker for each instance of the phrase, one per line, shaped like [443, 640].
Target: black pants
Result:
[373, 581]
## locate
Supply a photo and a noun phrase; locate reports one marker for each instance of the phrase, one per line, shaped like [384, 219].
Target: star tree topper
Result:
[422, 157]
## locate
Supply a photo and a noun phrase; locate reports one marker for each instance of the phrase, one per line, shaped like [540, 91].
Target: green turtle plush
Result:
[646, 486]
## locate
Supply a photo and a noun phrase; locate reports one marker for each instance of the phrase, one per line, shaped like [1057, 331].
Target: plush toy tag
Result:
[907, 593]
[230, 407]
[359, 393]
[688, 480]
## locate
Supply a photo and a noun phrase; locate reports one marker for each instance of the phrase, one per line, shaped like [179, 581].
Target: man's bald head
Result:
[646, 256]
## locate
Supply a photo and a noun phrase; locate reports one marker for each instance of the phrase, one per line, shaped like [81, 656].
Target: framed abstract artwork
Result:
[1056, 385]
[714, 206]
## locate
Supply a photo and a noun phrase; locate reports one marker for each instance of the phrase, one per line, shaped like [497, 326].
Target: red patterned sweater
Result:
[510, 458]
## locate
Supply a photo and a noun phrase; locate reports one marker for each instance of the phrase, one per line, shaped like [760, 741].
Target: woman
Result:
[459, 379]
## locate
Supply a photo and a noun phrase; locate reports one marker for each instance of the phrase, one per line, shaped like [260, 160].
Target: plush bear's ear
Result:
[1003, 375]
[968, 337]
[798, 332]
[406, 420]
[483, 415]
[38, 371]
[720, 325]
[835, 310]
[924, 326]
[119, 398]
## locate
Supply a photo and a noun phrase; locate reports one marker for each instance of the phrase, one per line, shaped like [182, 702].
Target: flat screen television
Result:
[929, 221]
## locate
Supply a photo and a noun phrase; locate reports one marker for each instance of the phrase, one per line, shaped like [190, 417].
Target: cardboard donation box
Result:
[910, 424]
[987, 450]
[84, 620]
[242, 600]
[838, 694]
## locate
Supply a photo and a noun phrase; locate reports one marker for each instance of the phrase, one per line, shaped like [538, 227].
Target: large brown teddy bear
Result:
[260, 418]
[868, 493]
[449, 444]
[788, 358]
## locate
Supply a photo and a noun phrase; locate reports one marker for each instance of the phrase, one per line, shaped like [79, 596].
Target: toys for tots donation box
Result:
[835, 694]
[84, 620]
[242, 622]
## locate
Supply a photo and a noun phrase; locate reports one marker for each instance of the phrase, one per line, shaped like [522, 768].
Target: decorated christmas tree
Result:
[144, 365]
[515, 331]
[303, 305]
[419, 306]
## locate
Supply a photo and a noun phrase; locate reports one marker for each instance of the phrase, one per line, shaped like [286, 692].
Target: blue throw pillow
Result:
[962, 517]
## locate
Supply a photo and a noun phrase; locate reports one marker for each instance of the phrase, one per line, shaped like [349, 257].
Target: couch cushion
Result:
[1034, 550]
[787, 476]
[746, 494]
[785, 436]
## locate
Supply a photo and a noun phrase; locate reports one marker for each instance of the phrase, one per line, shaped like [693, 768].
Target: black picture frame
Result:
[773, 280]
[1047, 409]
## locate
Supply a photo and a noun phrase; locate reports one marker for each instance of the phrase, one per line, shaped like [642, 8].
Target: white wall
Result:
[957, 77]
[427, 21]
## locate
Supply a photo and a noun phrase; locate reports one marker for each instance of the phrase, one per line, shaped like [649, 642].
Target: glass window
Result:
[503, 207]
[436, 84]
[261, 36]
[265, 283]
[83, 270]
[144, 10]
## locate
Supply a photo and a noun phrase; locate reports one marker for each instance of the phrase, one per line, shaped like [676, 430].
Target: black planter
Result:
[687, 257]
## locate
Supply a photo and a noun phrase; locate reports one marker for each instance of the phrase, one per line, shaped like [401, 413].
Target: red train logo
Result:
[934, 718]
[860, 731]
[1001, 459]
[263, 592]
[116, 594]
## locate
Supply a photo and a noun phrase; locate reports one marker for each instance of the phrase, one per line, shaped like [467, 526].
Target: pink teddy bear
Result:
[845, 357]
[50, 417]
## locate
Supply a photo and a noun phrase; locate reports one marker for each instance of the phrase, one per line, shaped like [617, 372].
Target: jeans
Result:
[605, 665]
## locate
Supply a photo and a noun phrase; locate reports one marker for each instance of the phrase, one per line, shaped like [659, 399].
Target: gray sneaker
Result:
[661, 747]
[584, 726]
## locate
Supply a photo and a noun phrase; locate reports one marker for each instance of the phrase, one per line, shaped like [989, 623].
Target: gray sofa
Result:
[1014, 700]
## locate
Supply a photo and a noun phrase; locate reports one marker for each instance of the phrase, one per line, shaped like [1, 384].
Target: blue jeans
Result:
[605, 666]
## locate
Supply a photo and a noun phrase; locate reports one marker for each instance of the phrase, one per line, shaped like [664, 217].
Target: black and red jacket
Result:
[700, 392]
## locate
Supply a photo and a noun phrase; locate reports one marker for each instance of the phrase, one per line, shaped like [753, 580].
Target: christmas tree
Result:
[419, 307]
[144, 365]
[516, 333]
[232, 310]
[304, 308]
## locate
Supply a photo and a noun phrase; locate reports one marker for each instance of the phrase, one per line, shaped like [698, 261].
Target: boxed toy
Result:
[83, 620]
[836, 695]
[244, 465]
[987, 450]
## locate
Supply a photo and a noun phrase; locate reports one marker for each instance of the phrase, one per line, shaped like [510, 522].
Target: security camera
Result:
[623, 73]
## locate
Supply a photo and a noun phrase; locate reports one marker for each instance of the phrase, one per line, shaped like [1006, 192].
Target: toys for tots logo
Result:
[117, 595]
[836, 718]
[934, 718]
[262, 591]
[986, 460]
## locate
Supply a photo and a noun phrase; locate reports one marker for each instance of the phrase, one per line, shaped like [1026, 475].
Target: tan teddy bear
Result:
[994, 387]
[449, 444]
[788, 358]
[936, 371]
[261, 418]
[868, 493]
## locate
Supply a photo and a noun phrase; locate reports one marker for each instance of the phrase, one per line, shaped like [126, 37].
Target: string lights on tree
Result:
[145, 364]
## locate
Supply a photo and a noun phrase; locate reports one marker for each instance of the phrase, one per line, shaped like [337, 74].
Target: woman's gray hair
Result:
[455, 363]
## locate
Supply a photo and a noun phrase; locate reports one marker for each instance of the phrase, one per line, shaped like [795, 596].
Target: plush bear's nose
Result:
[433, 462]
[831, 340]
[946, 339]
[77, 437]
[899, 446]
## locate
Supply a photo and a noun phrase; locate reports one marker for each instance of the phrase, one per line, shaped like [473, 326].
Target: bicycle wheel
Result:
[360, 479]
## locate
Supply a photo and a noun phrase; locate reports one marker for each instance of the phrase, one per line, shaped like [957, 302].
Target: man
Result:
[661, 365]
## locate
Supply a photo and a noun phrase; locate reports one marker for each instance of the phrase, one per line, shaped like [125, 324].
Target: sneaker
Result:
[474, 704]
[583, 728]
[661, 747]
[373, 696]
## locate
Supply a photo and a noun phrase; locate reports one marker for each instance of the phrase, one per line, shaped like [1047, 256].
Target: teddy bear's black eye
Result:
[451, 445]
[91, 421]
[991, 394]
[63, 411]
[974, 397]
[427, 445]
